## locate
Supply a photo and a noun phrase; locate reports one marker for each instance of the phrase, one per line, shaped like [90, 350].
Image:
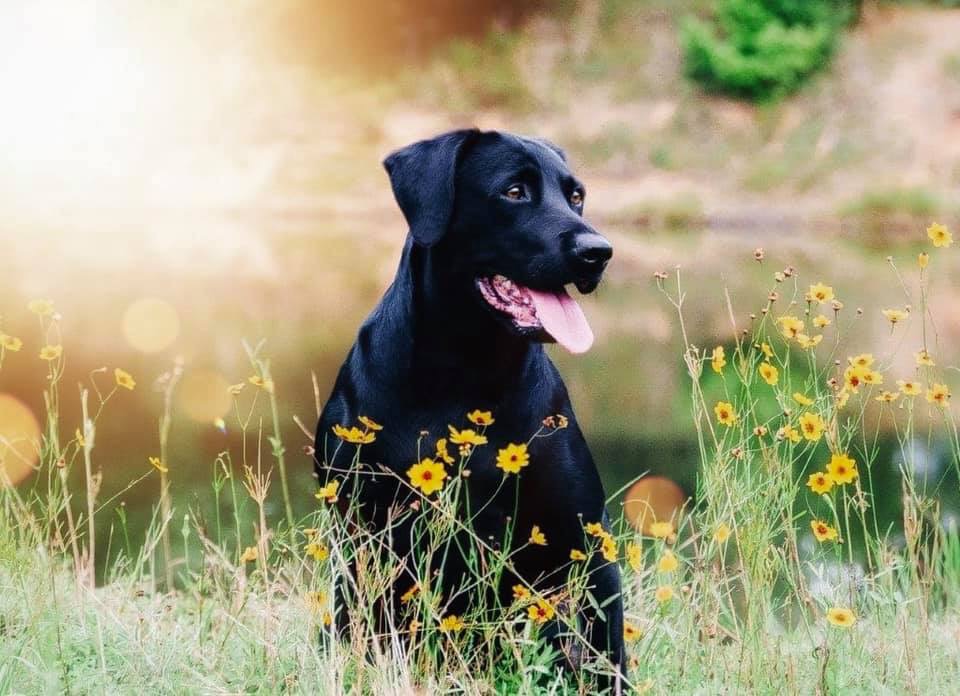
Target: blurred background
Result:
[180, 176]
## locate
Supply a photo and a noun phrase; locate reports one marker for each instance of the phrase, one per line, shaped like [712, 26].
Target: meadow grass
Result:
[776, 577]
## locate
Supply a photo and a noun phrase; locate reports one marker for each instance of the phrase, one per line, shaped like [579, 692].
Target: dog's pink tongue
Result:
[563, 319]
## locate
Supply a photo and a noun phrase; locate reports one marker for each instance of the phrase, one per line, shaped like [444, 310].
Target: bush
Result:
[762, 49]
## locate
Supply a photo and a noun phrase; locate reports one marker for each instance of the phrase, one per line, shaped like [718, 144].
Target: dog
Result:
[496, 234]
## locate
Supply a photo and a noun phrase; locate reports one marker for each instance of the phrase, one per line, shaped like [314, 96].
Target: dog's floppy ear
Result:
[422, 176]
[556, 148]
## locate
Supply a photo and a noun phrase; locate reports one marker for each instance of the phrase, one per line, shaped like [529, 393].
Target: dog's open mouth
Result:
[556, 313]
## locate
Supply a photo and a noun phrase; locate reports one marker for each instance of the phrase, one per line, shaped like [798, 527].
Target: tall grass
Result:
[759, 585]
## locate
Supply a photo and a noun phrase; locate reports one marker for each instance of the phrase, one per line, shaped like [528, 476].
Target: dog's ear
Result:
[422, 176]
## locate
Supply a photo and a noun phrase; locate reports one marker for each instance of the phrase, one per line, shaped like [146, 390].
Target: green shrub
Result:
[762, 49]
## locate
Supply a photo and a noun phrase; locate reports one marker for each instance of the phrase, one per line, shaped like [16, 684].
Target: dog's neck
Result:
[438, 330]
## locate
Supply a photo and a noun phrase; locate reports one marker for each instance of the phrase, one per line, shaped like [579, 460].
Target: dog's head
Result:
[503, 216]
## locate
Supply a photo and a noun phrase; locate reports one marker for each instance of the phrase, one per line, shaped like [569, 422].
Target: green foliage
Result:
[762, 49]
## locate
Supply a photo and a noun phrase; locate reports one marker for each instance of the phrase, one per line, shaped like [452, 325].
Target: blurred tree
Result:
[762, 49]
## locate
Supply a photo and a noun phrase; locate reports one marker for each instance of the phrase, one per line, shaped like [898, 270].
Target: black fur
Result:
[432, 351]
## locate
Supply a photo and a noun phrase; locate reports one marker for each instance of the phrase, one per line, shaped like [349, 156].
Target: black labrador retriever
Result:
[496, 233]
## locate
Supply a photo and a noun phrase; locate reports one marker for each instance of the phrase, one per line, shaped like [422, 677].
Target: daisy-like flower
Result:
[158, 465]
[442, 453]
[820, 293]
[594, 529]
[452, 624]
[823, 531]
[608, 549]
[843, 396]
[722, 533]
[265, 384]
[769, 373]
[854, 377]
[923, 258]
[887, 396]
[631, 633]
[923, 358]
[466, 437]
[872, 377]
[42, 308]
[939, 235]
[668, 562]
[317, 551]
[541, 612]
[820, 482]
[718, 360]
[50, 352]
[790, 326]
[512, 458]
[909, 387]
[894, 316]
[559, 422]
[520, 593]
[316, 601]
[537, 537]
[328, 492]
[410, 594]
[634, 556]
[842, 469]
[939, 394]
[428, 476]
[820, 321]
[664, 594]
[766, 350]
[808, 342]
[838, 616]
[354, 435]
[577, 555]
[811, 425]
[249, 555]
[480, 418]
[124, 379]
[725, 413]
[11, 343]
[788, 432]
[369, 423]
[861, 360]
[802, 399]
[661, 530]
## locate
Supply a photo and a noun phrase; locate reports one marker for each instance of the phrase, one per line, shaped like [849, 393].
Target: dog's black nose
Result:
[592, 252]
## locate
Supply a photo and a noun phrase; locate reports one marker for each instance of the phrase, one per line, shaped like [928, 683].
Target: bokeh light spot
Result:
[203, 395]
[653, 499]
[19, 440]
[150, 325]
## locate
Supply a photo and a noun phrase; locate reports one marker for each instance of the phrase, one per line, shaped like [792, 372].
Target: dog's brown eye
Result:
[514, 193]
[576, 198]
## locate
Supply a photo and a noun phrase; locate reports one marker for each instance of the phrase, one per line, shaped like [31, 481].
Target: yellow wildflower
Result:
[923, 358]
[512, 458]
[661, 530]
[725, 413]
[790, 326]
[664, 594]
[608, 548]
[788, 432]
[820, 321]
[249, 555]
[668, 562]
[452, 624]
[887, 396]
[354, 435]
[410, 594]
[478, 417]
[820, 482]
[442, 453]
[42, 308]
[466, 437]
[722, 533]
[844, 618]
[895, 315]
[939, 235]
[767, 350]
[811, 425]
[909, 387]
[541, 612]
[630, 632]
[820, 293]
[124, 379]
[11, 343]
[50, 352]
[158, 465]
[318, 551]
[265, 384]
[718, 360]
[537, 537]
[369, 423]
[520, 593]
[235, 389]
[594, 529]
[428, 476]
[807, 342]
[842, 469]
[823, 531]
[769, 373]
[634, 556]
[802, 399]
[577, 555]
[328, 492]
[939, 394]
